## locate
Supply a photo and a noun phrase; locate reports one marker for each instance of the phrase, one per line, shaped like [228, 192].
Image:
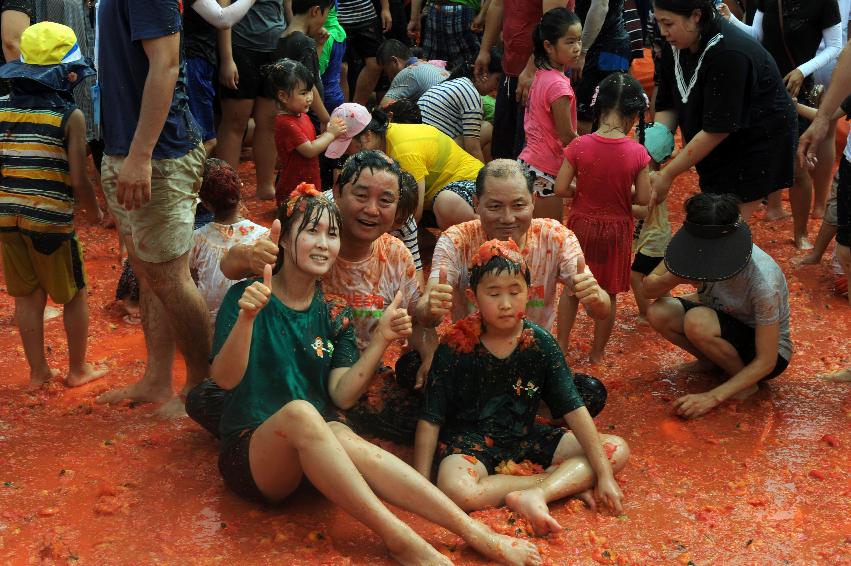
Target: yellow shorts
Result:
[61, 274]
[162, 228]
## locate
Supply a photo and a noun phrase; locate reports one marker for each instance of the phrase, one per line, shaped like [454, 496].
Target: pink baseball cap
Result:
[356, 118]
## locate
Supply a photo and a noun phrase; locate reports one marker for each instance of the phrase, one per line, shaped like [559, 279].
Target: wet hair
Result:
[367, 159]
[286, 75]
[687, 7]
[220, 186]
[390, 48]
[711, 209]
[495, 266]
[622, 93]
[408, 197]
[465, 68]
[306, 213]
[304, 6]
[378, 125]
[552, 27]
[404, 111]
[501, 169]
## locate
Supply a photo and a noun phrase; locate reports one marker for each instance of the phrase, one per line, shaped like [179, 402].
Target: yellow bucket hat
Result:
[49, 52]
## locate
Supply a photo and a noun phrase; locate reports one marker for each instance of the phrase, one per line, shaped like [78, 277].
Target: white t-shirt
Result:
[212, 242]
[551, 252]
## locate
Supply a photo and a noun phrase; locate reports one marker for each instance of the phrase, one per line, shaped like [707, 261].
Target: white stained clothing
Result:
[219, 17]
[212, 241]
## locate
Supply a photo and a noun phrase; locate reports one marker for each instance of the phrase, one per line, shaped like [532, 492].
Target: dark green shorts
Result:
[538, 446]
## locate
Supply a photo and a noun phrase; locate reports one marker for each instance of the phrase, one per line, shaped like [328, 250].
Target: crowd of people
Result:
[547, 196]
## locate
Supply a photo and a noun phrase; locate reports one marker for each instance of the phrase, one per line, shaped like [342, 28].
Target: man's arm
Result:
[493, 27]
[13, 24]
[134, 179]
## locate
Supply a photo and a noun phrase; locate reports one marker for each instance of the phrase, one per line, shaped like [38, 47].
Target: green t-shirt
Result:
[471, 390]
[488, 107]
[292, 354]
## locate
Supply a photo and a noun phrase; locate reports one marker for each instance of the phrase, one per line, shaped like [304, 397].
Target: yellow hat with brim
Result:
[49, 52]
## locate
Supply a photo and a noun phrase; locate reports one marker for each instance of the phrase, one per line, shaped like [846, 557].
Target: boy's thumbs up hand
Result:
[265, 250]
[395, 322]
[256, 296]
[440, 296]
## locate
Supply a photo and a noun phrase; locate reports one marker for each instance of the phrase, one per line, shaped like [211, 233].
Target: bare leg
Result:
[296, 439]
[567, 308]
[29, 314]
[549, 207]
[775, 210]
[367, 79]
[76, 320]
[265, 152]
[826, 234]
[636, 281]
[747, 209]
[666, 316]
[397, 483]
[603, 331]
[801, 196]
[235, 115]
[823, 172]
[451, 209]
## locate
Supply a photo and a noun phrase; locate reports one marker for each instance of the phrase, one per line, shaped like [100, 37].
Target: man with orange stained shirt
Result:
[551, 251]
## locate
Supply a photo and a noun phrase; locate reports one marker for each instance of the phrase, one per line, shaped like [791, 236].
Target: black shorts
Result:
[235, 467]
[362, 40]
[538, 446]
[509, 137]
[252, 81]
[644, 264]
[741, 336]
[843, 204]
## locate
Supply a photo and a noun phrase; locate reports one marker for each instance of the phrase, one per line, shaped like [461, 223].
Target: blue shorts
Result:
[201, 90]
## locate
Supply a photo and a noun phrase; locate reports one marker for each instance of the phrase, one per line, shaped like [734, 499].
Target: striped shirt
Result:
[414, 80]
[351, 13]
[35, 182]
[453, 107]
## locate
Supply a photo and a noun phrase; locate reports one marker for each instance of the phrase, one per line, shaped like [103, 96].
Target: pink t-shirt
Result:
[551, 252]
[606, 169]
[543, 146]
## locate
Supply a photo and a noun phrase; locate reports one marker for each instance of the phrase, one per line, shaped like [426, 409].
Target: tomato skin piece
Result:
[817, 474]
[830, 440]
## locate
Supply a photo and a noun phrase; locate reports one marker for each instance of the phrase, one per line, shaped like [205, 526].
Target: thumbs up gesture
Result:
[265, 250]
[585, 286]
[395, 322]
[440, 296]
[256, 295]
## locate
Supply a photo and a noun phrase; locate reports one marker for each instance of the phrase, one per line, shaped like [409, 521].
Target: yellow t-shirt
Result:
[655, 233]
[427, 153]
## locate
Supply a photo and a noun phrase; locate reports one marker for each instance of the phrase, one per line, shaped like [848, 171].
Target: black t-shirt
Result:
[613, 36]
[199, 37]
[803, 23]
[739, 91]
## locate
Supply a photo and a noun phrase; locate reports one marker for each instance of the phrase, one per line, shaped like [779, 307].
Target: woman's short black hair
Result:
[403, 111]
[378, 125]
[712, 209]
[707, 9]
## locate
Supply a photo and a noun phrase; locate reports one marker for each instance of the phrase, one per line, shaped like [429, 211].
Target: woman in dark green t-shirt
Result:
[288, 359]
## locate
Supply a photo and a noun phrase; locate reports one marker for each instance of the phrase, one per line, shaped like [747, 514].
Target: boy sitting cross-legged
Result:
[485, 385]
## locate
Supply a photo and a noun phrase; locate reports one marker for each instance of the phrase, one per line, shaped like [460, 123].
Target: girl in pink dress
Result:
[606, 164]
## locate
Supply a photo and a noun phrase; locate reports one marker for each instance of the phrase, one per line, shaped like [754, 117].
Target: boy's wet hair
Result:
[390, 48]
[304, 210]
[496, 257]
[286, 75]
[408, 197]
[552, 27]
[220, 186]
[622, 93]
[501, 169]
[368, 159]
[304, 6]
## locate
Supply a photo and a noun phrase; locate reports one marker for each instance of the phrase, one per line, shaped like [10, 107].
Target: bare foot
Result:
[504, 549]
[37, 381]
[699, 366]
[140, 391]
[808, 259]
[745, 393]
[817, 212]
[265, 193]
[174, 408]
[841, 376]
[531, 504]
[803, 243]
[417, 552]
[771, 215]
[89, 373]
